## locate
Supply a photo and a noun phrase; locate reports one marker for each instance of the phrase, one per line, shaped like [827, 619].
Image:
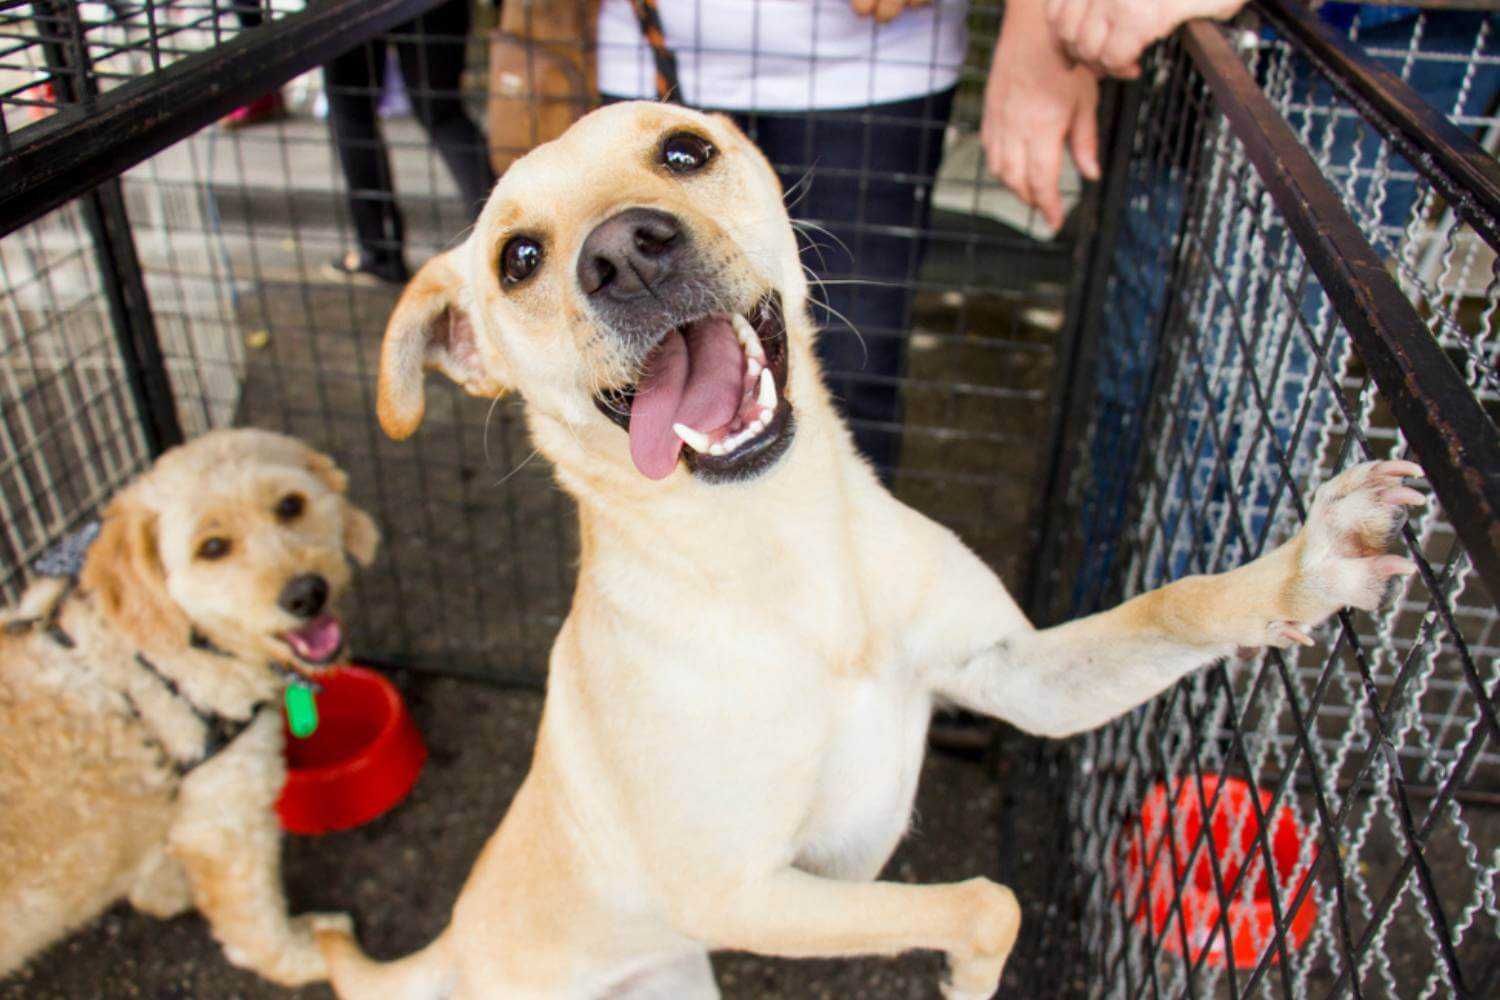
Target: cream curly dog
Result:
[140, 731]
[737, 701]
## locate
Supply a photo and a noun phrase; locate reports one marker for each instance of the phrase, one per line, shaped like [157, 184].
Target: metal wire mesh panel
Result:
[51, 51]
[1298, 823]
[241, 232]
[71, 433]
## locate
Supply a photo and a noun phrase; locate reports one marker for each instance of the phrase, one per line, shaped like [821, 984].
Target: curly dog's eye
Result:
[521, 256]
[684, 152]
[290, 507]
[216, 547]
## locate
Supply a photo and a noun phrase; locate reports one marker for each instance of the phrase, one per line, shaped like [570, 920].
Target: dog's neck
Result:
[212, 679]
[686, 526]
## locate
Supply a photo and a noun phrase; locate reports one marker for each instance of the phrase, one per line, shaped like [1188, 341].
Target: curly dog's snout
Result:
[305, 595]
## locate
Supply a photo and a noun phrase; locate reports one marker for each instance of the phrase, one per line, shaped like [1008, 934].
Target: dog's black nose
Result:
[630, 254]
[305, 595]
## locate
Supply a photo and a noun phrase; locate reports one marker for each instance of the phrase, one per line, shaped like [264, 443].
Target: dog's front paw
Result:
[993, 922]
[301, 961]
[1343, 563]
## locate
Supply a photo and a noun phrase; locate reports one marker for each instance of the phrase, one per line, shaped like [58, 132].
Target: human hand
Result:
[1036, 102]
[884, 10]
[1108, 36]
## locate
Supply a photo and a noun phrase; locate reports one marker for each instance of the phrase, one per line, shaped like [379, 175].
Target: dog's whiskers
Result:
[516, 468]
[805, 226]
[485, 436]
[794, 194]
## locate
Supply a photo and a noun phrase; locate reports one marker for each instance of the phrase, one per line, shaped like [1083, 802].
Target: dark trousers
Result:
[431, 52]
[865, 175]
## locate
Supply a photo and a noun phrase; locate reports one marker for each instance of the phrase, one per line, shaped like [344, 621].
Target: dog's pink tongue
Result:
[695, 380]
[653, 446]
[318, 640]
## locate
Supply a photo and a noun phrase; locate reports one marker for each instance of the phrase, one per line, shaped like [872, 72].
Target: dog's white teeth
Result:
[766, 398]
[718, 448]
[748, 339]
[696, 440]
[753, 367]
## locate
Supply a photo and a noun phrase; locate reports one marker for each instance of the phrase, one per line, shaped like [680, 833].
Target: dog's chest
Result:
[868, 777]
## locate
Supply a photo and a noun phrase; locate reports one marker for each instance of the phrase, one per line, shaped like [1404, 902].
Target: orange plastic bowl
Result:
[363, 759]
[1157, 870]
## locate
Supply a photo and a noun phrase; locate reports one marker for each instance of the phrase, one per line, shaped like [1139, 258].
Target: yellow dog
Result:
[738, 698]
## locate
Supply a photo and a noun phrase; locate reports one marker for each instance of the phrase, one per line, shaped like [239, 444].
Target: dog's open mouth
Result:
[713, 395]
[318, 642]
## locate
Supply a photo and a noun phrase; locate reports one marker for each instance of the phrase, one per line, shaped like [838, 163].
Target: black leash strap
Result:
[667, 86]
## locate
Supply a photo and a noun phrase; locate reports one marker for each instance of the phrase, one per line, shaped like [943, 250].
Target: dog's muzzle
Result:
[713, 395]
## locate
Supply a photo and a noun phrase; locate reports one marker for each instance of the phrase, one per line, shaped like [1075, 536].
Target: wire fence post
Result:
[119, 266]
[1076, 345]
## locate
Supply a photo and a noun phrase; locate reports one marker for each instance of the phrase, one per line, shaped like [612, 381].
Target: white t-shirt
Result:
[785, 55]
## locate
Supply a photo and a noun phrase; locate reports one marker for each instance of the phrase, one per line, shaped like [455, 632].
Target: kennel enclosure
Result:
[1289, 268]
[1302, 277]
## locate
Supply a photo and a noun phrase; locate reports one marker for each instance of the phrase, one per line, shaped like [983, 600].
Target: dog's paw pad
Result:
[1354, 517]
[1360, 511]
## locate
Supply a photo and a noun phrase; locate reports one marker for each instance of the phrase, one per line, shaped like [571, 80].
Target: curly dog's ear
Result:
[361, 536]
[125, 571]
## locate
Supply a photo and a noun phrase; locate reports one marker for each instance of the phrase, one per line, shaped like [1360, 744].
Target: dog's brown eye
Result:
[521, 256]
[684, 152]
[213, 548]
[290, 506]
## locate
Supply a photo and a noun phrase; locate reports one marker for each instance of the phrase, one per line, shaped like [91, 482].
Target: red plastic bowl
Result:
[1234, 842]
[363, 759]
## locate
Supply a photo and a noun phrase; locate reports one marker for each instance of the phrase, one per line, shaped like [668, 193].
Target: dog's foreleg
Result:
[227, 839]
[792, 914]
[687, 978]
[161, 887]
[1068, 679]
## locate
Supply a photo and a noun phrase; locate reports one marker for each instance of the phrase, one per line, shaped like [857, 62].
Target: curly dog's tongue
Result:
[318, 640]
[694, 377]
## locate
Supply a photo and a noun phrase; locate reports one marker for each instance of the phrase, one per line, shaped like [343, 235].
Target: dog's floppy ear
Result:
[430, 328]
[124, 570]
[361, 535]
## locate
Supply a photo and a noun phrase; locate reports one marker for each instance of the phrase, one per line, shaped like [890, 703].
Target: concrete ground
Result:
[477, 564]
[400, 874]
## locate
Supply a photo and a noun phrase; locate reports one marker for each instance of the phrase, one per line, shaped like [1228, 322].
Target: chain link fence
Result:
[1173, 372]
[1321, 821]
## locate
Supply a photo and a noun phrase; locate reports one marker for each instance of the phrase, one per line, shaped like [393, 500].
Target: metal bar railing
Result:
[85, 144]
[1077, 345]
[119, 265]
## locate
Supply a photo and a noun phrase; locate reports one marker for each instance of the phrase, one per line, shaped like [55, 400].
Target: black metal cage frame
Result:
[1218, 451]
[1273, 333]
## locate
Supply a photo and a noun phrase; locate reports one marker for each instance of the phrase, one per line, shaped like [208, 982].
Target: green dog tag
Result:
[301, 710]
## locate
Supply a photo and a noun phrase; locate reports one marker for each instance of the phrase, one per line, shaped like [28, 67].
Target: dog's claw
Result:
[1291, 632]
[329, 923]
[1391, 565]
[1400, 468]
[1404, 495]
